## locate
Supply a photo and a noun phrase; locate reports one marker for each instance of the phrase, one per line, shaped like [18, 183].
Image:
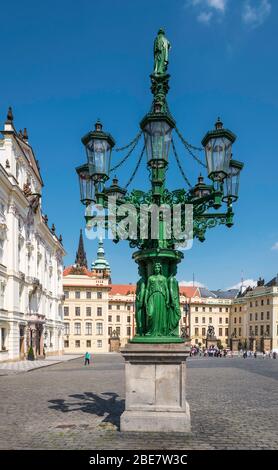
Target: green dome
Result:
[100, 262]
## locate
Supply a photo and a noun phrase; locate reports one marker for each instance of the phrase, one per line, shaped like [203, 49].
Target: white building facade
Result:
[31, 256]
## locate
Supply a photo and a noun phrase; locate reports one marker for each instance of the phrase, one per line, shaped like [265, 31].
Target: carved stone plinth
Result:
[235, 342]
[115, 344]
[211, 342]
[155, 378]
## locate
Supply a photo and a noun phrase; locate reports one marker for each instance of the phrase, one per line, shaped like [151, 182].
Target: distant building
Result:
[31, 256]
[254, 316]
[208, 308]
[86, 303]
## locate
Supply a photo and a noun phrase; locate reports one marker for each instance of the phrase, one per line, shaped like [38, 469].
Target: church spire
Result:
[81, 259]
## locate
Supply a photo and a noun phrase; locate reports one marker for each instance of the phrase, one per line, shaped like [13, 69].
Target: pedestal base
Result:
[235, 342]
[211, 342]
[155, 376]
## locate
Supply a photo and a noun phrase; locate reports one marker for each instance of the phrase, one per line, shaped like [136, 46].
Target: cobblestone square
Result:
[233, 402]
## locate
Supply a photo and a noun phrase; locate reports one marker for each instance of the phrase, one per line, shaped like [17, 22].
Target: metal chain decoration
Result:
[135, 142]
[179, 165]
[136, 168]
[189, 147]
[119, 149]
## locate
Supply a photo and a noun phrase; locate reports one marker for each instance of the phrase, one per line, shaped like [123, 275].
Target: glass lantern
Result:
[232, 181]
[201, 189]
[86, 183]
[157, 128]
[115, 190]
[218, 148]
[98, 146]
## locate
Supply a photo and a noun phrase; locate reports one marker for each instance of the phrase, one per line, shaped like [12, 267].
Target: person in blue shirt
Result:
[87, 358]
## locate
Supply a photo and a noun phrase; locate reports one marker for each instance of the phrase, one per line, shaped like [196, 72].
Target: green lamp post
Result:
[157, 294]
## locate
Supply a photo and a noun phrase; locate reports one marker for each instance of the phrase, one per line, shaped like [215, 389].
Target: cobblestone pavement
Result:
[233, 402]
[7, 368]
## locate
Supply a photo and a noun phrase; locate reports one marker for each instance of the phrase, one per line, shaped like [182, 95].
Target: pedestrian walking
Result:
[87, 358]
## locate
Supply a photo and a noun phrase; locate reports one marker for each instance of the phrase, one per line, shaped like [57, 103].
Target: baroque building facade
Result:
[31, 256]
[97, 311]
[86, 303]
[254, 317]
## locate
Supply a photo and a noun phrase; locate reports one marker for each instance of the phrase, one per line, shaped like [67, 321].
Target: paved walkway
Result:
[233, 405]
[26, 366]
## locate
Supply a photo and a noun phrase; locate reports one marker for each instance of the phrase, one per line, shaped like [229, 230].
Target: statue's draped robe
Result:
[161, 54]
[174, 314]
[139, 306]
[157, 300]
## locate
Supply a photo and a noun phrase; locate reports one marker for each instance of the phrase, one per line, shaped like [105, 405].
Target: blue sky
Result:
[66, 63]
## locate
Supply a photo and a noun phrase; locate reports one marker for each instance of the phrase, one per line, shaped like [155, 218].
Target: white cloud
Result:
[246, 283]
[219, 5]
[208, 9]
[275, 246]
[255, 14]
[190, 283]
[204, 17]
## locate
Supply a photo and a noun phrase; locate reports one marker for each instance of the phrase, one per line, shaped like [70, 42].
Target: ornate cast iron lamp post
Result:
[157, 296]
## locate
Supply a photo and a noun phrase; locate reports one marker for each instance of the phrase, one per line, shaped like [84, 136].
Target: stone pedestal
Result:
[115, 344]
[235, 342]
[155, 378]
[211, 342]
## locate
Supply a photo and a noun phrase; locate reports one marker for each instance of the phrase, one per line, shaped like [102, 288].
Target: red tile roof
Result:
[189, 291]
[70, 270]
[122, 289]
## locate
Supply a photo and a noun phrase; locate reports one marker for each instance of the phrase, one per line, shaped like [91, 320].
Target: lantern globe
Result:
[157, 128]
[218, 149]
[86, 184]
[98, 145]
[232, 181]
[201, 189]
[115, 190]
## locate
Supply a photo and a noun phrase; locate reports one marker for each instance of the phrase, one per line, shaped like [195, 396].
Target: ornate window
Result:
[99, 311]
[88, 328]
[77, 311]
[2, 292]
[2, 242]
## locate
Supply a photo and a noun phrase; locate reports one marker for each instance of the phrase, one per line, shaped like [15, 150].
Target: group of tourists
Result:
[214, 351]
[265, 354]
